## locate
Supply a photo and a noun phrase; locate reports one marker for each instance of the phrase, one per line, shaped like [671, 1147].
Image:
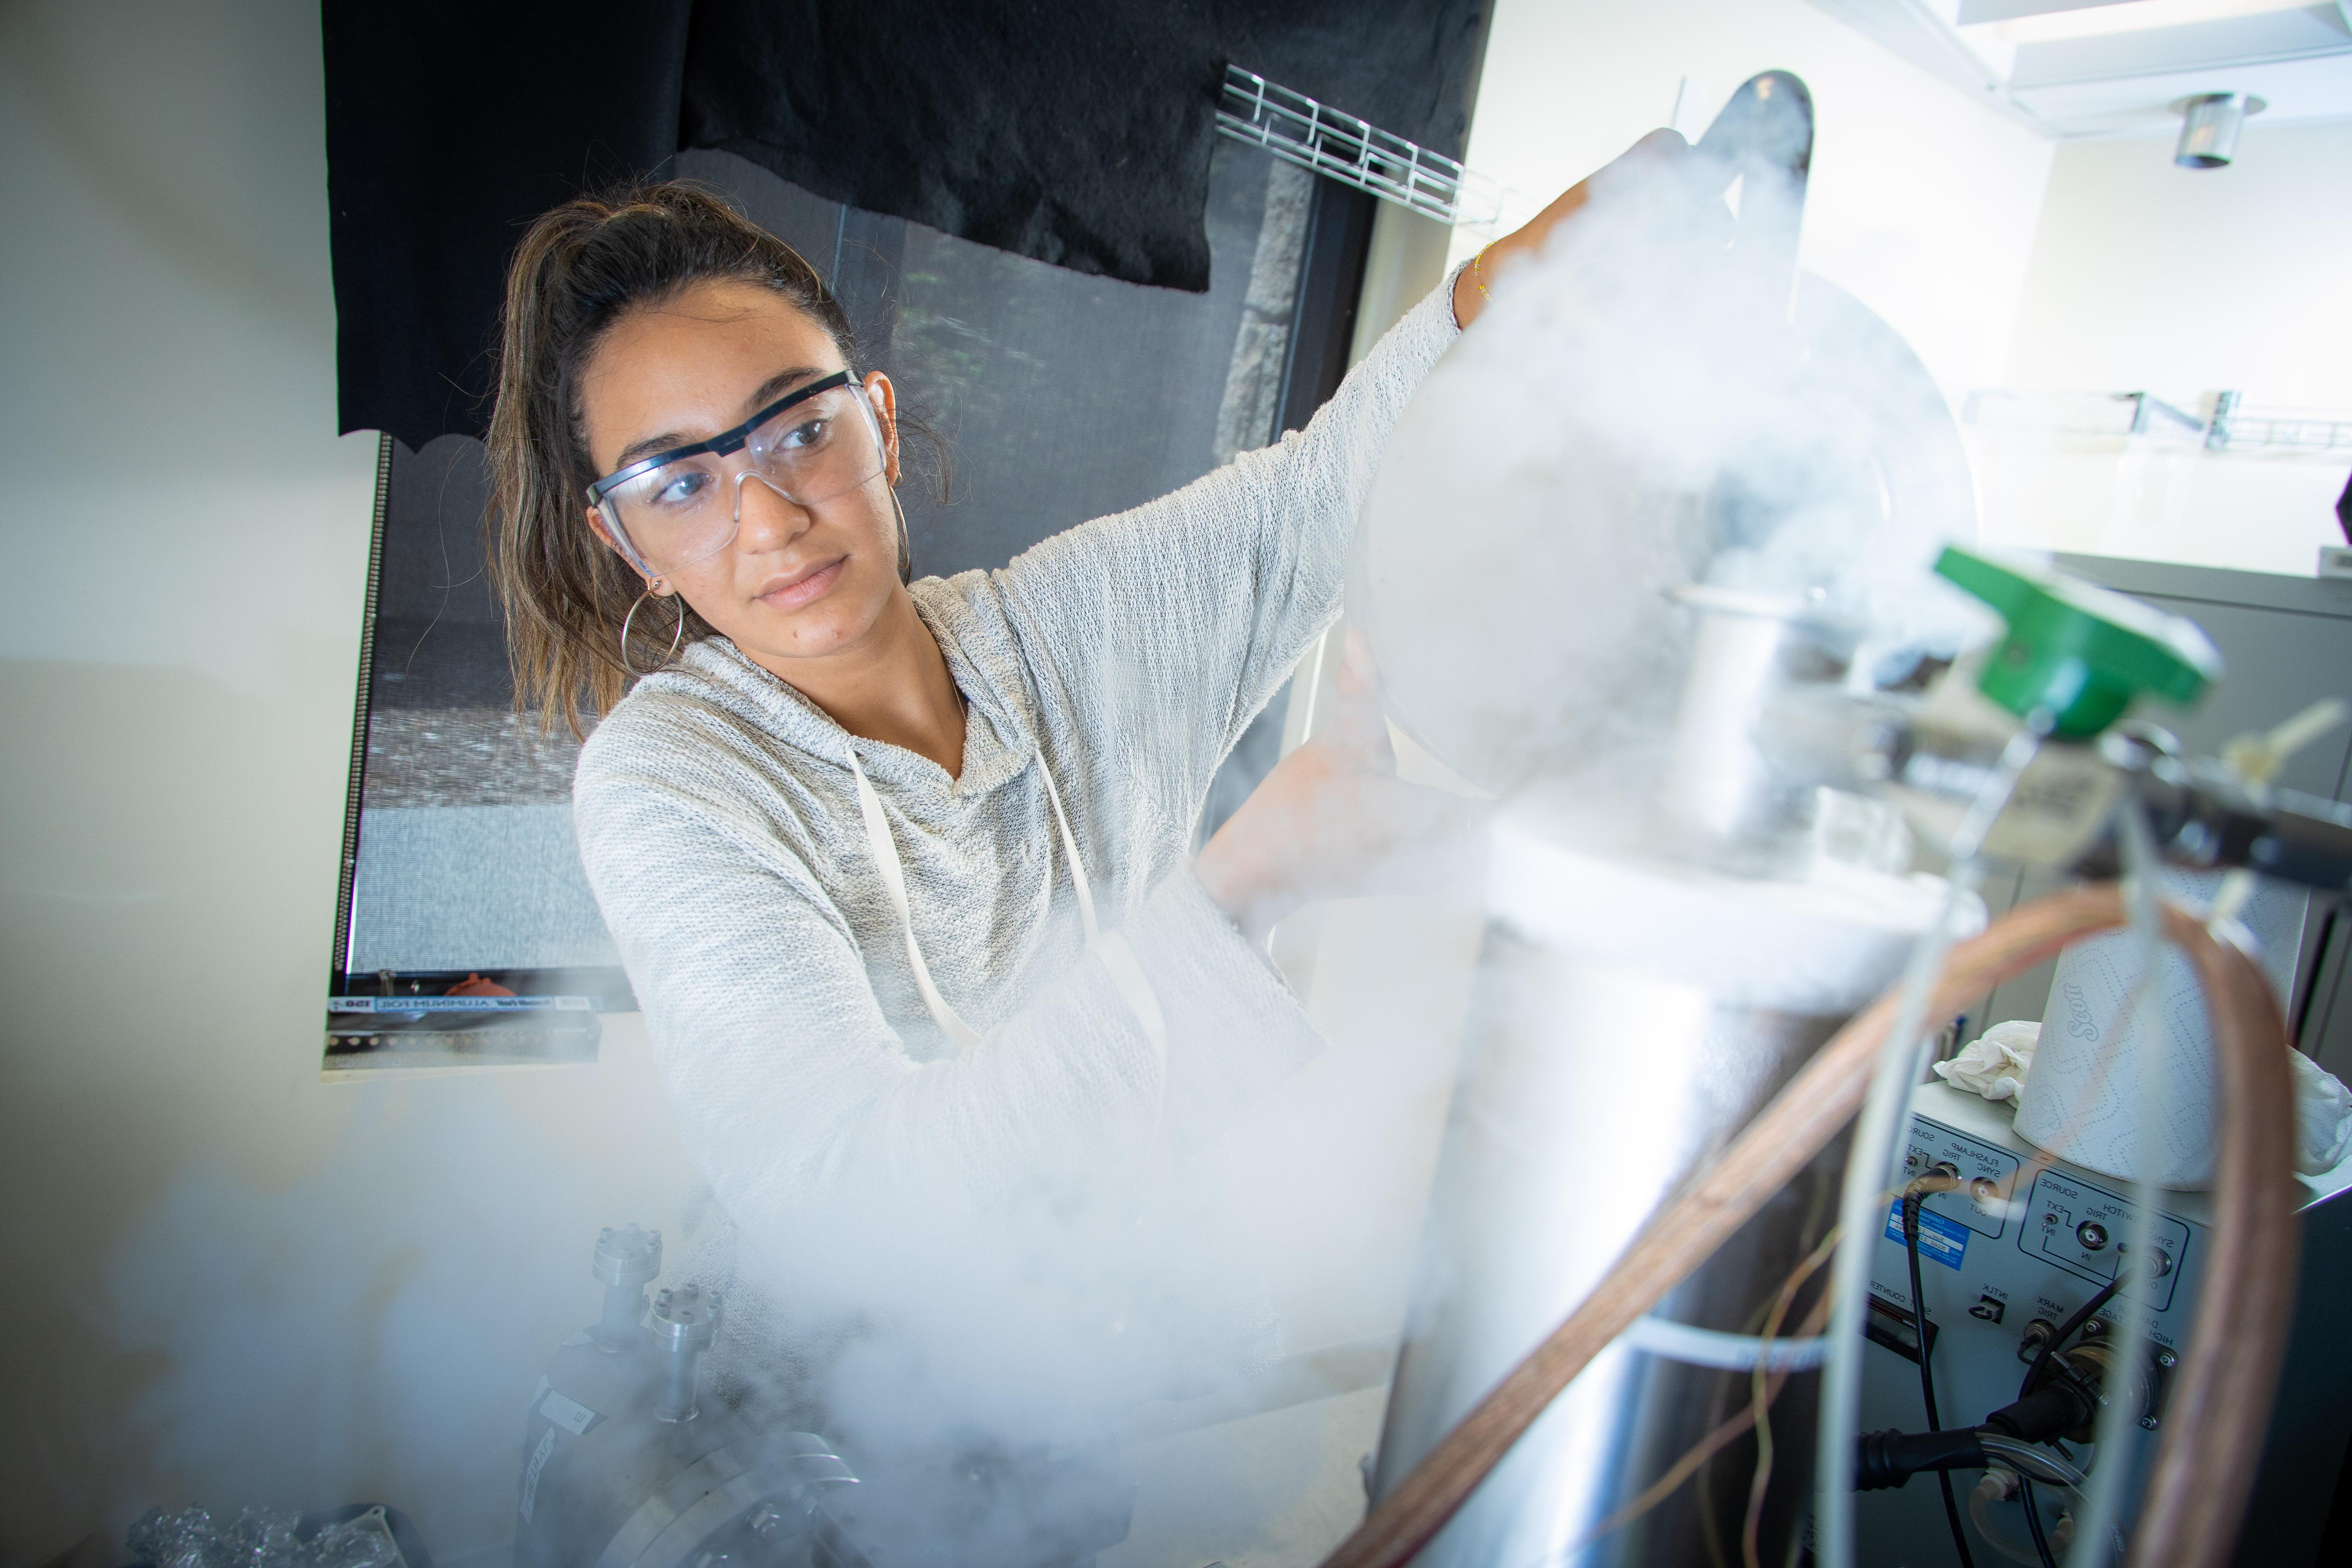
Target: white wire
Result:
[1870, 1160]
[1725, 1352]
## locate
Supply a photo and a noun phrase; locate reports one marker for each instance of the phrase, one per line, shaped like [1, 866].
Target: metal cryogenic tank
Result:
[1631, 1015]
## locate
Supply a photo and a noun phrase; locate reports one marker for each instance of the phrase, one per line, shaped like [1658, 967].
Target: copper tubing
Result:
[2220, 1402]
[2223, 1394]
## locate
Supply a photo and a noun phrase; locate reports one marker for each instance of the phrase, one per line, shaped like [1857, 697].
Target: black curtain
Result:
[1074, 131]
[1077, 135]
[449, 125]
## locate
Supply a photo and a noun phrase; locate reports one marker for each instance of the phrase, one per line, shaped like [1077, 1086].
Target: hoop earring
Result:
[906, 546]
[676, 638]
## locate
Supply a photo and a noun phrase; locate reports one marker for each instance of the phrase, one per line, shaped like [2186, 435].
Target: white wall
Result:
[2181, 282]
[2150, 275]
[1921, 203]
[228, 1280]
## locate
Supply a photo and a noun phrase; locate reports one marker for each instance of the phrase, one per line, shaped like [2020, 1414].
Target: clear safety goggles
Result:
[676, 507]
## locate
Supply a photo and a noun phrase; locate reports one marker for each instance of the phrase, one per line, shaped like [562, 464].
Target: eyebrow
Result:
[767, 392]
[776, 386]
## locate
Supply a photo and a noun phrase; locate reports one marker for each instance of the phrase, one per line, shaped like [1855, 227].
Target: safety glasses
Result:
[676, 507]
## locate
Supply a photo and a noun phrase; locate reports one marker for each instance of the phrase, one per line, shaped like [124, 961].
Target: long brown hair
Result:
[577, 271]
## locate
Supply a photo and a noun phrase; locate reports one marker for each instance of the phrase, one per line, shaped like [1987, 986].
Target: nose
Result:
[766, 520]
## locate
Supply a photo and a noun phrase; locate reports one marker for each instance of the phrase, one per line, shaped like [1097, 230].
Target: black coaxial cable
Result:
[1942, 1179]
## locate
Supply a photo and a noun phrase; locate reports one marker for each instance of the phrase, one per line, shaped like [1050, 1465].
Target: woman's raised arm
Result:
[1191, 611]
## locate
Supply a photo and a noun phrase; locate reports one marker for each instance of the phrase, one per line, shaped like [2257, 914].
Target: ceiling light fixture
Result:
[2210, 126]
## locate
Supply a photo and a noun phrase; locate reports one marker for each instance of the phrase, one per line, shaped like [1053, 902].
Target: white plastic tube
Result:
[1725, 1352]
[2118, 1432]
[1870, 1162]
[1869, 1170]
[2041, 1464]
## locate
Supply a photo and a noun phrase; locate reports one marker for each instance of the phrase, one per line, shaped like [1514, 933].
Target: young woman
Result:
[900, 871]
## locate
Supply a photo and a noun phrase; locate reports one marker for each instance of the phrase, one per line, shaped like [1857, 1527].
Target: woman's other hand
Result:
[1650, 162]
[1333, 821]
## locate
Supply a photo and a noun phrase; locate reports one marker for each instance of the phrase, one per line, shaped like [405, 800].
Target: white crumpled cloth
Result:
[1996, 1064]
[2323, 1116]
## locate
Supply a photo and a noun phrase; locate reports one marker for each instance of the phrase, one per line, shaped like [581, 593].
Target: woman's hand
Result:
[1648, 160]
[1333, 821]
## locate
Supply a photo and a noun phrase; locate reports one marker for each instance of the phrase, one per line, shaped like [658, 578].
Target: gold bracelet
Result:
[1478, 268]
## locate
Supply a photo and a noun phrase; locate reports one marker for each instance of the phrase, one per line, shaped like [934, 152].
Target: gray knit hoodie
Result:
[854, 1153]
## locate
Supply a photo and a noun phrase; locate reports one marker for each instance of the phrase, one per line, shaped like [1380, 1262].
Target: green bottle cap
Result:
[2077, 651]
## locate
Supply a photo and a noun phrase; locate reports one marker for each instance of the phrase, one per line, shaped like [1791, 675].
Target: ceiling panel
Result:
[2315, 31]
[2122, 83]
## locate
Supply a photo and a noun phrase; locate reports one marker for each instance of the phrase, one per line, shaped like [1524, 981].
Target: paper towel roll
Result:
[2092, 1116]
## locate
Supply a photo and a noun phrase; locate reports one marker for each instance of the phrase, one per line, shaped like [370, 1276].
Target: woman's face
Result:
[797, 581]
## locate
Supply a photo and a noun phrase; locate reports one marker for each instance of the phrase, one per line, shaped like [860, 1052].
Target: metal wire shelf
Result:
[2094, 414]
[2234, 429]
[2139, 414]
[1302, 130]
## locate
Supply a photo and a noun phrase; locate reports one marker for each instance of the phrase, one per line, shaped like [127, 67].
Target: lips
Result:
[790, 590]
